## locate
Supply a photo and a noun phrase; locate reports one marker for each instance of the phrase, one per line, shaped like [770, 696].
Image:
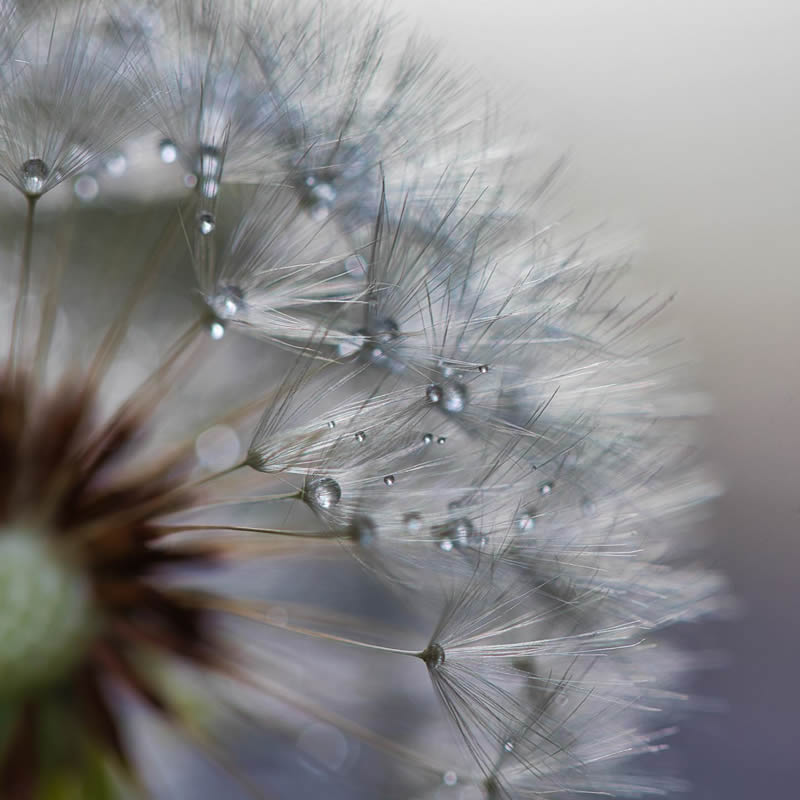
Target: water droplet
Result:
[330, 424]
[228, 302]
[508, 746]
[450, 778]
[319, 196]
[588, 507]
[525, 520]
[116, 164]
[427, 438]
[433, 394]
[217, 331]
[361, 436]
[546, 488]
[458, 533]
[433, 655]
[375, 344]
[483, 369]
[34, 176]
[389, 480]
[441, 440]
[413, 522]
[450, 397]
[322, 492]
[86, 188]
[206, 222]
[350, 345]
[168, 151]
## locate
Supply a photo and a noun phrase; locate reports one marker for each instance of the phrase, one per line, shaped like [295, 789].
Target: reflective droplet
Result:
[450, 397]
[483, 369]
[389, 480]
[206, 222]
[375, 344]
[450, 778]
[433, 394]
[525, 520]
[86, 188]
[361, 436]
[413, 522]
[458, 533]
[427, 438]
[228, 302]
[168, 151]
[433, 655]
[441, 440]
[350, 345]
[508, 746]
[330, 424]
[319, 197]
[217, 331]
[34, 174]
[322, 492]
[546, 488]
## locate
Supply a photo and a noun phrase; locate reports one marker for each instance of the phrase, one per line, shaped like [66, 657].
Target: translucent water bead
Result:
[228, 302]
[322, 493]
[34, 174]
[451, 397]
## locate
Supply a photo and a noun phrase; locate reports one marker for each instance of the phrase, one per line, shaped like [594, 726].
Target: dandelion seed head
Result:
[342, 214]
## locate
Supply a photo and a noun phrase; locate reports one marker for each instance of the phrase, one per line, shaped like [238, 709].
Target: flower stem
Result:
[18, 325]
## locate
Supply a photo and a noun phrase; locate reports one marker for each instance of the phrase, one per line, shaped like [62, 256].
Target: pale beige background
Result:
[682, 121]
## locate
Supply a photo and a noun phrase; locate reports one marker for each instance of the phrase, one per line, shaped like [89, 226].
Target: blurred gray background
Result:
[682, 126]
